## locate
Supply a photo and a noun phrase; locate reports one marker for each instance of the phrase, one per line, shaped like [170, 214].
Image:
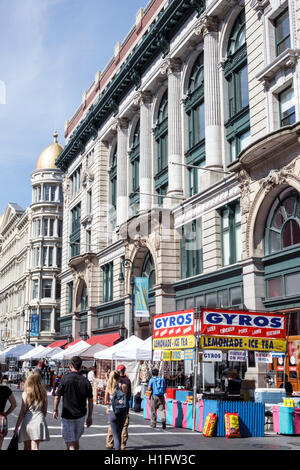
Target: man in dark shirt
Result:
[75, 390]
[126, 387]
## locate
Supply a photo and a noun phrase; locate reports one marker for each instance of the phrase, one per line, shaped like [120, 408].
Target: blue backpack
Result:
[160, 386]
[119, 402]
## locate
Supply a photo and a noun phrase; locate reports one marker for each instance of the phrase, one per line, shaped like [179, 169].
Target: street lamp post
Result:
[127, 263]
[26, 321]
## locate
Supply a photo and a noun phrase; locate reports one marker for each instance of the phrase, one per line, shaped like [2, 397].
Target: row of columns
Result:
[208, 29]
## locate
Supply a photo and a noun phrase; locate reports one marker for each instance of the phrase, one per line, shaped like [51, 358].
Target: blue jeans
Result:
[116, 423]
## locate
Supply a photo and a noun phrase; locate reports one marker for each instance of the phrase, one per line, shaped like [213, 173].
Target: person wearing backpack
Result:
[115, 398]
[157, 387]
[125, 384]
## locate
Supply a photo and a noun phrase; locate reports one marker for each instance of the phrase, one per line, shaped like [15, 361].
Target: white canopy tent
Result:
[128, 351]
[71, 351]
[16, 352]
[109, 353]
[91, 351]
[35, 353]
[49, 352]
[144, 351]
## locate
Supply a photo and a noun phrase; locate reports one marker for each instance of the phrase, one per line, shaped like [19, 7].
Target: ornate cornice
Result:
[154, 42]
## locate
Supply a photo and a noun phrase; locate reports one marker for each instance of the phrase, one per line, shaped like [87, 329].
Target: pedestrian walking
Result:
[6, 395]
[157, 387]
[115, 398]
[75, 390]
[125, 383]
[33, 413]
[92, 375]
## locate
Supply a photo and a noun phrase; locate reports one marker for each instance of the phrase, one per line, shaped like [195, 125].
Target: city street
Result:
[142, 437]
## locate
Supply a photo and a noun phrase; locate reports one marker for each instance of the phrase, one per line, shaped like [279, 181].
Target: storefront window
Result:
[236, 296]
[275, 287]
[292, 282]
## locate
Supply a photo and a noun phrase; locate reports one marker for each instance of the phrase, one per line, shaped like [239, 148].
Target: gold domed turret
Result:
[49, 155]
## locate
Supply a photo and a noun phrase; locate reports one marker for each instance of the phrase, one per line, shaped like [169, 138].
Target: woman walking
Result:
[33, 412]
[117, 418]
[5, 395]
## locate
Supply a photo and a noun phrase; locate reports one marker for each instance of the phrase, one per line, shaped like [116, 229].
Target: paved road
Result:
[142, 437]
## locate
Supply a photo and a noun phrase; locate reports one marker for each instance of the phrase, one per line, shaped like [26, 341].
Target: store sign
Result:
[174, 324]
[34, 328]
[237, 356]
[218, 322]
[180, 342]
[212, 356]
[263, 358]
[176, 355]
[250, 344]
[141, 308]
[189, 355]
[157, 355]
[166, 356]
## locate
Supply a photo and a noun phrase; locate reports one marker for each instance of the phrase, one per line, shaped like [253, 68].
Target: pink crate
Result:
[276, 425]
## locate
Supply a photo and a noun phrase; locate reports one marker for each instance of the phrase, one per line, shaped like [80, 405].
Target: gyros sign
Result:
[172, 324]
[215, 322]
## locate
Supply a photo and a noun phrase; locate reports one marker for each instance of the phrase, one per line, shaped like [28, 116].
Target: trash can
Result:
[297, 421]
[276, 425]
[286, 420]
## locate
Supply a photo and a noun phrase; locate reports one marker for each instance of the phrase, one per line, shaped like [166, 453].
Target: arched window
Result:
[236, 75]
[283, 224]
[84, 299]
[194, 107]
[134, 157]
[161, 138]
[148, 270]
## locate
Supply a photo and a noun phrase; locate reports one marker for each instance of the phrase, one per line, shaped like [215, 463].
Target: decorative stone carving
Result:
[244, 179]
[274, 178]
[207, 24]
[259, 6]
[144, 97]
[87, 177]
[171, 65]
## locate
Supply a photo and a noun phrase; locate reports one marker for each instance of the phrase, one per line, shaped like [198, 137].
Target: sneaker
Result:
[164, 425]
[153, 425]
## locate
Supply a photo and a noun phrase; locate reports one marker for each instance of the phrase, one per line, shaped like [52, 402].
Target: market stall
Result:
[219, 351]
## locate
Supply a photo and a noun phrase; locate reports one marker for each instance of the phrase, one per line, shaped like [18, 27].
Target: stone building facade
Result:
[175, 161]
[30, 258]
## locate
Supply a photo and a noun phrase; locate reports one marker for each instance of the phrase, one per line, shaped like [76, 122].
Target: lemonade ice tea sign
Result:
[174, 330]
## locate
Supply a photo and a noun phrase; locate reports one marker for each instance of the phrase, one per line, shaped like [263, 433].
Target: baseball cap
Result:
[121, 367]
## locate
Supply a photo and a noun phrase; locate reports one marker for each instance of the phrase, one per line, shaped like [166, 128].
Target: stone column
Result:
[208, 28]
[122, 200]
[144, 100]
[175, 171]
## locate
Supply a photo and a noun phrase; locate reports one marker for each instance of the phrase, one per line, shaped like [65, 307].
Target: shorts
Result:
[72, 429]
[3, 426]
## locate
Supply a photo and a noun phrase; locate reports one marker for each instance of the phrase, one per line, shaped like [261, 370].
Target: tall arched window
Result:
[84, 299]
[161, 138]
[134, 156]
[236, 75]
[194, 107]
[283, 224]
[148, 270]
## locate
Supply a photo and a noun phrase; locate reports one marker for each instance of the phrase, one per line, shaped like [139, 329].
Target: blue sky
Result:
[50, 51]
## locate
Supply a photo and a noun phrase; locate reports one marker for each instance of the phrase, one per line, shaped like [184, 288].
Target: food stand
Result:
[218, 333]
